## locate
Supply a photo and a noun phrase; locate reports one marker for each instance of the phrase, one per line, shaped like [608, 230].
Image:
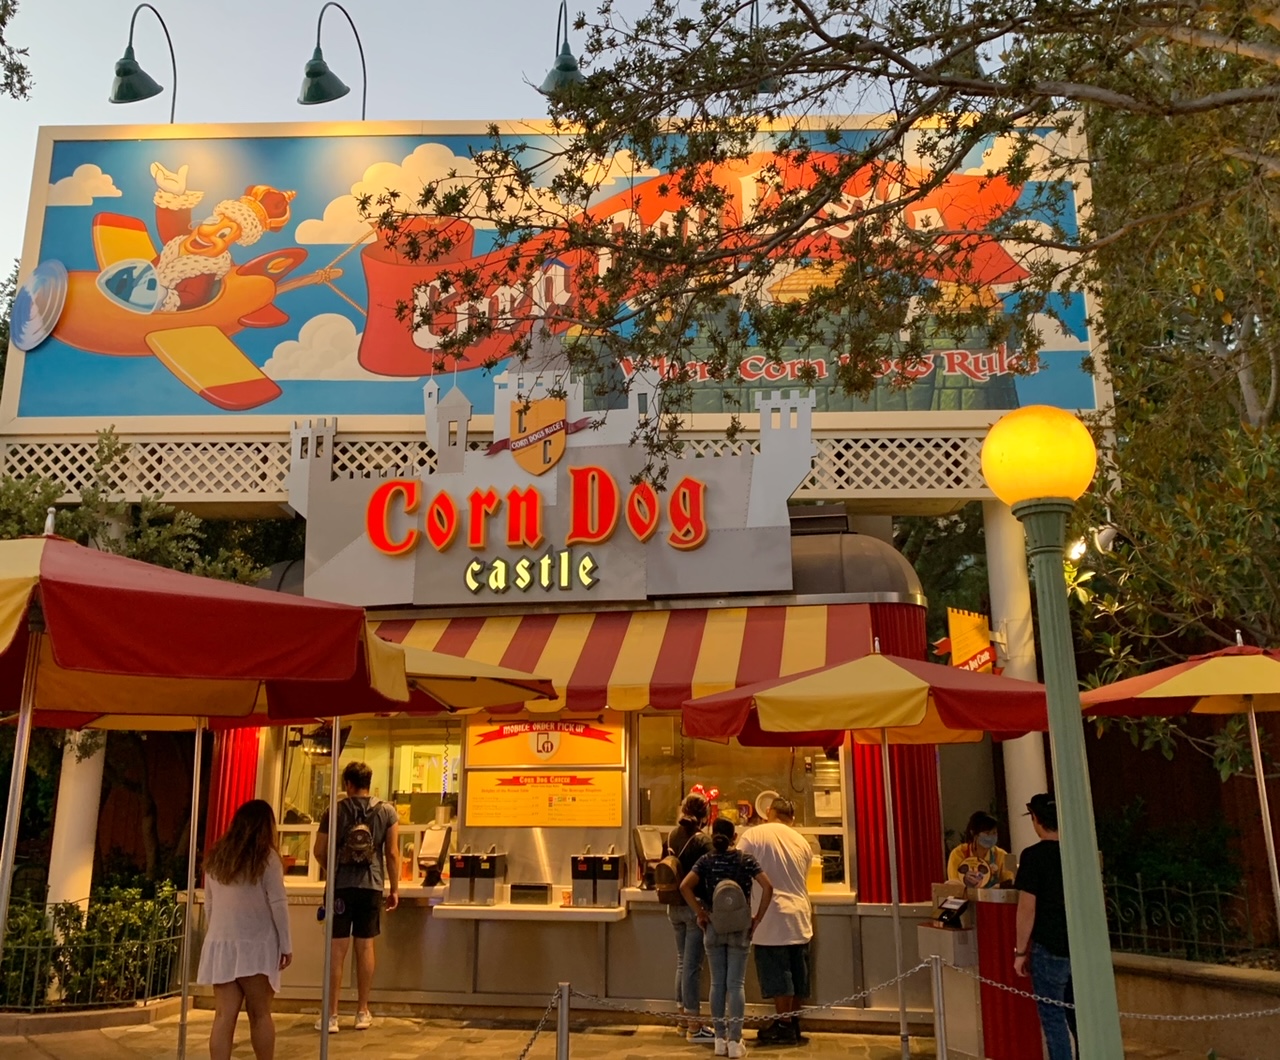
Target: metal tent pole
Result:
[18, 776]
[891, 836]
[326, 992]
[1267, 831]
[190, 912]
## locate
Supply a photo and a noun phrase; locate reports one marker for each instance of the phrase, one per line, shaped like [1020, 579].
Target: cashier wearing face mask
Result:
[977, 861]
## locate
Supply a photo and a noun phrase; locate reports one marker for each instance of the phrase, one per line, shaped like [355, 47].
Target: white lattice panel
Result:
[878, 466]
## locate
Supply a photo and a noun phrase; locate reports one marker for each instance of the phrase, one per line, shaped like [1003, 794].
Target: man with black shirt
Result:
[1041, 949]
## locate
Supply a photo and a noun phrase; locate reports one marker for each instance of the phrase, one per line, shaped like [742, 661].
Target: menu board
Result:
[551, 744]
[579, 799]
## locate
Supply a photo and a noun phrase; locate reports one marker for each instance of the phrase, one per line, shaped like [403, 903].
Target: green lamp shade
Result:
[564, 74]
[319, 83]
[132, 83]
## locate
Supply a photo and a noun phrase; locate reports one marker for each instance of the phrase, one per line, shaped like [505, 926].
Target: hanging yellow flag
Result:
[970, 635]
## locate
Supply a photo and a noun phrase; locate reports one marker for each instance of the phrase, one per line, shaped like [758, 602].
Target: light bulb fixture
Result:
[768, 85]
[1104, 537]
[132, 83]
[1038, 452]
[1077, 549]
[322, 85]
[564, 73]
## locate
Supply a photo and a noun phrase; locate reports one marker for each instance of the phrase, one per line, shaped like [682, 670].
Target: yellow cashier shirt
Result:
[989, 864]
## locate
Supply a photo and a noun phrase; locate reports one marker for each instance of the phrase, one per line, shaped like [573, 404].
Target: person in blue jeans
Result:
[688, 842]
[726, 954]
[1041, 949]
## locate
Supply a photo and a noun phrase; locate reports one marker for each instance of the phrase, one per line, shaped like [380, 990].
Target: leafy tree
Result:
[15, 75]
[8, 290]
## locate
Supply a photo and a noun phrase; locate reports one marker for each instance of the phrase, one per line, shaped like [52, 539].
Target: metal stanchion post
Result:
[939, 1008]
[562, 1024]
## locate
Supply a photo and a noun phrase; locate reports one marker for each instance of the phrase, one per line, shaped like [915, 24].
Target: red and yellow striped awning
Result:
[628, 660]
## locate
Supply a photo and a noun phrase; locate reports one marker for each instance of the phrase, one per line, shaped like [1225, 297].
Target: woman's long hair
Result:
[722, 834]
[243, 851]
[694, 812]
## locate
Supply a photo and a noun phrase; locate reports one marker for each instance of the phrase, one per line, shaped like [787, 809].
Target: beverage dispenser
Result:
[582, 867]
[490, 877]
[462, 872]
[609, 879]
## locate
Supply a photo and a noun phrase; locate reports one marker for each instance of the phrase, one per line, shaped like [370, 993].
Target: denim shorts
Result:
[783, 971]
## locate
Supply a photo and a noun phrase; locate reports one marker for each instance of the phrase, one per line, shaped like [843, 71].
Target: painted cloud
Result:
[342, 223]
[326, 348]
[87, 183]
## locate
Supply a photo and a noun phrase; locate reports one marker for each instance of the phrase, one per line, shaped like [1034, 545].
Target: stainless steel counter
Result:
[513, 956]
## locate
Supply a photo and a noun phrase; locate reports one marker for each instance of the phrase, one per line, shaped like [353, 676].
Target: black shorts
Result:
[358, 912]
[783, 971]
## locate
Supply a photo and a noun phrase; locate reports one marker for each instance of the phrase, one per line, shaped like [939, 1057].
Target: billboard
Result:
[221, 277]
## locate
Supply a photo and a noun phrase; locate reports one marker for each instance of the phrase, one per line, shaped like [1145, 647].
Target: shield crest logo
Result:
[538, 434]
[544, 744]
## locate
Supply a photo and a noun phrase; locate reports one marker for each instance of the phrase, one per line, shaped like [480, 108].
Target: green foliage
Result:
[15, 75]
[1131, 847]
[123, 949]
[949, 555]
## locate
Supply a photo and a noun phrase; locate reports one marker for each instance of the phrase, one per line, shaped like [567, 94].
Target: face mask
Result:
[987, 839]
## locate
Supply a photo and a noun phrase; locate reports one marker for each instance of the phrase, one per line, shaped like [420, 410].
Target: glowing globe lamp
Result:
[1038, 452]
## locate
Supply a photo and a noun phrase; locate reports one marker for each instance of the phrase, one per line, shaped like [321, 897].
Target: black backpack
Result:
[358, 846]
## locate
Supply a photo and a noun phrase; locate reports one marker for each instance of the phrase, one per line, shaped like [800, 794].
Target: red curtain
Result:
[233, 778]
[900, 629]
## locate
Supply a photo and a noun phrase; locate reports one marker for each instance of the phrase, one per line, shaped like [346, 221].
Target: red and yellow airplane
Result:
[194, 344]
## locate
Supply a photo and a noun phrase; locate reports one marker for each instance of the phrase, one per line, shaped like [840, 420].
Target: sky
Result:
[242, 61]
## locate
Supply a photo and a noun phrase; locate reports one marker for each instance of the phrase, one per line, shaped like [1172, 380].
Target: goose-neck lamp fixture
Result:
[768, 85]
[133, 83]
[1039, 460]
[322, 85]
[565, 72]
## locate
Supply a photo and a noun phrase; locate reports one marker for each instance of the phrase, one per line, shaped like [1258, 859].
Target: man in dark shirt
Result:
[1041, 949]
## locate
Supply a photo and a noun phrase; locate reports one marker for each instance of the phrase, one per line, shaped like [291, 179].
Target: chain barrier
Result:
[639, 1010]
[542, 1023]
[1209, 1017]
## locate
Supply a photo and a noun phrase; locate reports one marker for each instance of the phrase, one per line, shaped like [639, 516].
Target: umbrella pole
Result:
[17, 778]
[326, 992]
[891, 838]
[1267, 833]
[190, 914]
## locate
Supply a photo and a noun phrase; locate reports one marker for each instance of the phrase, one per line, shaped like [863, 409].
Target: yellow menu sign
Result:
[551, 744]
[970, 641]
[585, 799]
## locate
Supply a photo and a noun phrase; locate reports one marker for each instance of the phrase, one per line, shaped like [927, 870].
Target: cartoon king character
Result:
[195, 259]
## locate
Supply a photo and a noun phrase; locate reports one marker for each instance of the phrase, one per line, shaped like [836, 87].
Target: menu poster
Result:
[550, 744]
[585, 799]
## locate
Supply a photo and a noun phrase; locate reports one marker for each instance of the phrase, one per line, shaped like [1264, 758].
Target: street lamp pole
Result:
[1092, 975]
[1039, 460]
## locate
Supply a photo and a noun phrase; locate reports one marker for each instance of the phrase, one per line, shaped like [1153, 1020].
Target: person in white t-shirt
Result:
[781, 942]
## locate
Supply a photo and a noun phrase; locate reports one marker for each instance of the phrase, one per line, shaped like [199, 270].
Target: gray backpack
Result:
[358, 846]
[730, 910]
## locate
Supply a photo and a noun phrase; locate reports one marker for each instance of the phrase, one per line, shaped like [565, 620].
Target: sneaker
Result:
[333, 1024]
[737, 1050]
[364, 1020]
[702, 1034]
[776, 1033]
[722, 1047]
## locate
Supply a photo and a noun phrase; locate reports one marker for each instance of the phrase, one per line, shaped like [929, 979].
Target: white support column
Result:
[1024, 768]
[75, 821]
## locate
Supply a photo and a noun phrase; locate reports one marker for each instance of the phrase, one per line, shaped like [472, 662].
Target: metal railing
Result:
[1192, 923]
[56, 958]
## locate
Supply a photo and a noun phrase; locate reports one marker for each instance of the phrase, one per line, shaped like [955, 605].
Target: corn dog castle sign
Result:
[555, 509]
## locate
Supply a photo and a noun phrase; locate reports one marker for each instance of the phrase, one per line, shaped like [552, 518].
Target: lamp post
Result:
[565, 72]
[133, 83]
[322, 85]
[1039, 460]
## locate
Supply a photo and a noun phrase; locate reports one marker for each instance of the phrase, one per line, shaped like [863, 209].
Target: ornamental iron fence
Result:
[64, 957]
[1191, 923]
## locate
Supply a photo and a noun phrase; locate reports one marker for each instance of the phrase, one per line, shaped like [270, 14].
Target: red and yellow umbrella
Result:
[1237, 680]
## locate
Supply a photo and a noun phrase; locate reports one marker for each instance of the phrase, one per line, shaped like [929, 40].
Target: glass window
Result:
[414, 762]
[669, 765]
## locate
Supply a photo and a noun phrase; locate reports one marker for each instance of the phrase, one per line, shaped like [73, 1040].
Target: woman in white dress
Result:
[247, 943]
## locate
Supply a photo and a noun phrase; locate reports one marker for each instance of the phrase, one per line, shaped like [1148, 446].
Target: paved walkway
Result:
[407, 1039]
